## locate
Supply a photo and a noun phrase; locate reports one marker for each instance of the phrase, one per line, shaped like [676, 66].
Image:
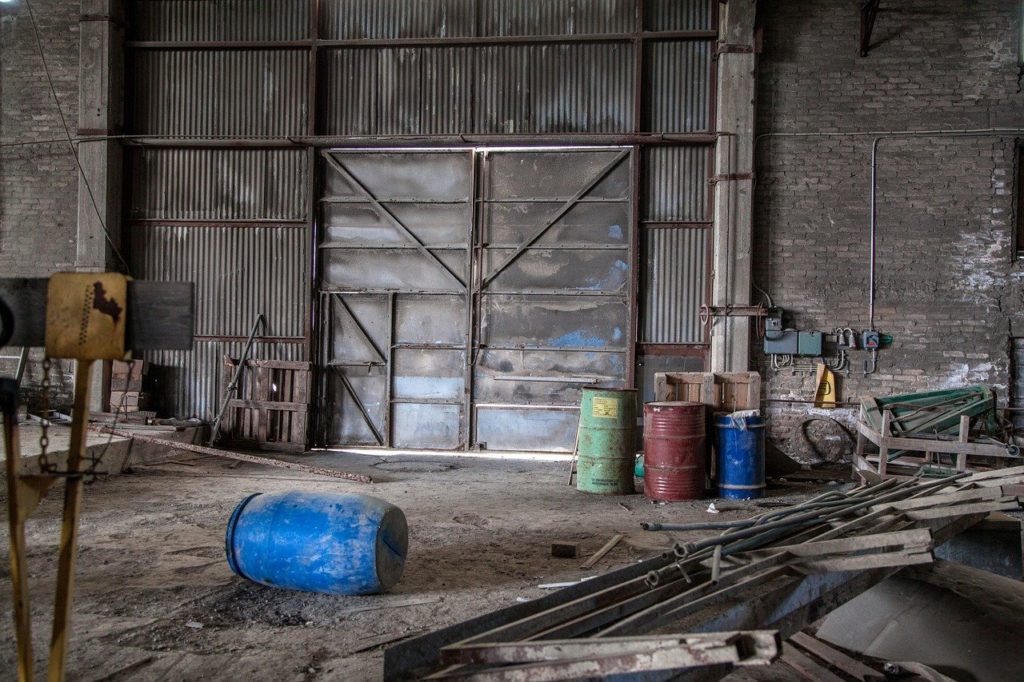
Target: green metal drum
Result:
[607, 446]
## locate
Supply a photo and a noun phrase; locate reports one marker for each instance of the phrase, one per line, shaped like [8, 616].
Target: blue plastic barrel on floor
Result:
[318, 542]
[739, 441]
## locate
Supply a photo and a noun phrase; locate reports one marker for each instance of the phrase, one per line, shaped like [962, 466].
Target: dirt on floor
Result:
[155, 599]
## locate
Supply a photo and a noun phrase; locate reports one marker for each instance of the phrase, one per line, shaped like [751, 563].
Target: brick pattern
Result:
[39, 182]
[947, 285]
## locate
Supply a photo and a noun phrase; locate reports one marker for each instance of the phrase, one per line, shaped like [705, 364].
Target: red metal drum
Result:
[675, 450]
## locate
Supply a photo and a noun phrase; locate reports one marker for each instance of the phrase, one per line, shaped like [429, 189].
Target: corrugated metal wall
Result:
[206, 20]
[239, 273]
[676, 261]
[494, 67]
[230, 92]
[218, 184]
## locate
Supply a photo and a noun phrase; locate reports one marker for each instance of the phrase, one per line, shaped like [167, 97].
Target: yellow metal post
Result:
[16, 523]
[69, 529]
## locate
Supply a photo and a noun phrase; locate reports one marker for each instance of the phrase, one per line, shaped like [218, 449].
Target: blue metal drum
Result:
[739, 442]
[319, 542]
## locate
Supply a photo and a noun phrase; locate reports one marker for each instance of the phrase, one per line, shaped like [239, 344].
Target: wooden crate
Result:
[721, 391]
[270, 406]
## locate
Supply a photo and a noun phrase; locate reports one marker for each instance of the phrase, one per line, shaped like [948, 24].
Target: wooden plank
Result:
[864, 562]
[1011, 504]
[252, 459]
[261, 393]
[757, 647]
[833, 657]
[939, 500]
[301, 395]
[160, 315]
[708, 395]
[928, 445]
[810, 670]
[914, 538]
[883, 447]
[278, 364]
[754, 392]
[965, 428]
[663, 390]
[267, 405]
[599, 554]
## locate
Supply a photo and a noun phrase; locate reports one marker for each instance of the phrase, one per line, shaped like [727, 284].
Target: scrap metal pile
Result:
[733, 594]
[940, 432]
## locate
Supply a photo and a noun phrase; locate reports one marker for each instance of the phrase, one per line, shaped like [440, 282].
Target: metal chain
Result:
[44, 435]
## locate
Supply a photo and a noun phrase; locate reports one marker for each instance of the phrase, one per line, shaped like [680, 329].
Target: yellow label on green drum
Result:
[605, 408]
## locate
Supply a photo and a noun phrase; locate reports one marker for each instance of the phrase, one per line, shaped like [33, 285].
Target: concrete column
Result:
[100, 113]
[734, 167]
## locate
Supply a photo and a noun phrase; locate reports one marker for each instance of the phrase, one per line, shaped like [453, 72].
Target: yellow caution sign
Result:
[85, 316]
[826, 393]
[605, 408]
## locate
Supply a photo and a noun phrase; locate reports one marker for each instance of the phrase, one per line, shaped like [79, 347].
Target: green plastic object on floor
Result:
[607, 445]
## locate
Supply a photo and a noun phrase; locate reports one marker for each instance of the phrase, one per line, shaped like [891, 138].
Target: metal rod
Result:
[16, 526]
[872, 227]
[69, 527]
[389, 372]
[215, 431]
[22, 364]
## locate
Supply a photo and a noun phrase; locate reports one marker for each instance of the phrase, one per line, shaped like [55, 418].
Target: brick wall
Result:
[38, 182]
[947, 285]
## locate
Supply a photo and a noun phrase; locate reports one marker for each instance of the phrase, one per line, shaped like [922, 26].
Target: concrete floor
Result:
[156, 600]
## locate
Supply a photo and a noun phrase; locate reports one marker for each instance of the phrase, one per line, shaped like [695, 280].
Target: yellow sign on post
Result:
[85, 316]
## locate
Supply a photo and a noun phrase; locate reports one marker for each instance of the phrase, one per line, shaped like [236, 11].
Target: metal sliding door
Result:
[554, 294]
[467, 295]
[394, 269]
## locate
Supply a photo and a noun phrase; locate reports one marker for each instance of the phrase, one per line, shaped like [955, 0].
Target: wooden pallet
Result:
[721, 391]
[270, 407]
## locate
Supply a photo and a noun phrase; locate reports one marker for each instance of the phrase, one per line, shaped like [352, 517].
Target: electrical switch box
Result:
[809, 343]
[780, 342]
[870, 339]
[773, 320]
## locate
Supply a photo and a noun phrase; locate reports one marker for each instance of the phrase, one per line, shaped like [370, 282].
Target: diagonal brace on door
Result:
[359, 404]
[558, 215]
[362, 330]
[390, 217]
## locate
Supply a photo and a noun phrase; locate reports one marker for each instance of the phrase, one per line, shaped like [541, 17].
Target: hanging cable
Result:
[70, 141]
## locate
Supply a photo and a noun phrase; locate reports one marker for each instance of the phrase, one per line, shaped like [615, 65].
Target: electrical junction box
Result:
[780, 342]
[773, 320]
[870, 340]
[808, 343]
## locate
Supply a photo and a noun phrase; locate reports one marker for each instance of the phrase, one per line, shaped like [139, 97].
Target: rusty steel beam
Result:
[454, 41]
[466, 140]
